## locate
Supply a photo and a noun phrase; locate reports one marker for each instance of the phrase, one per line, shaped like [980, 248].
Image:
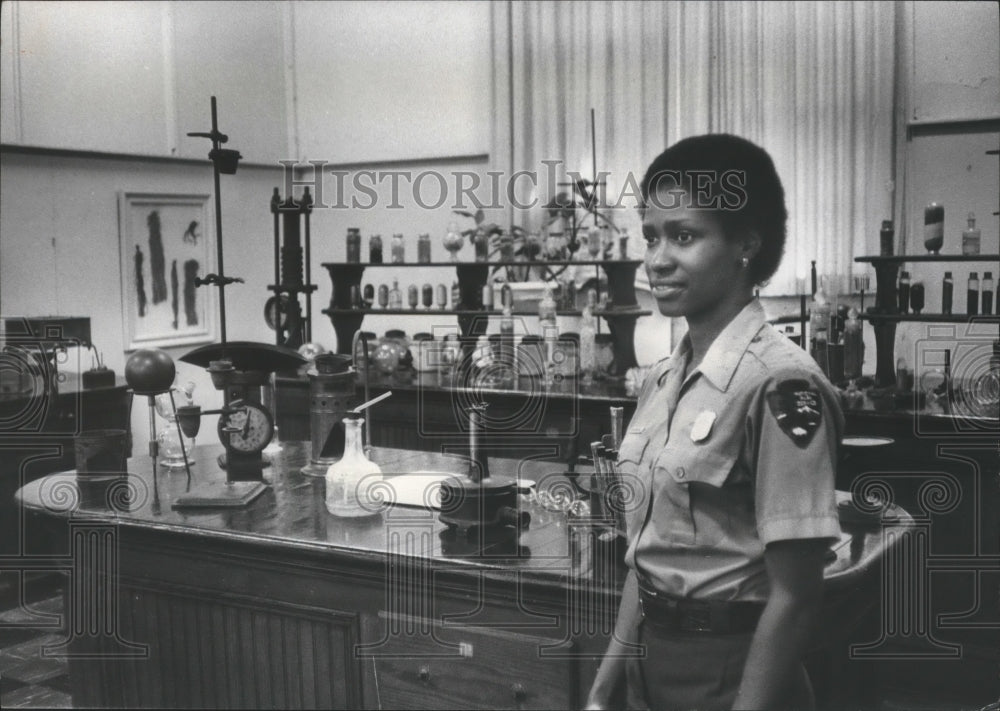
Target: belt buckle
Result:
[696, 619]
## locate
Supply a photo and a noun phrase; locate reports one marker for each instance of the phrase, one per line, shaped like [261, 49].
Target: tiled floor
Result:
[28, 677]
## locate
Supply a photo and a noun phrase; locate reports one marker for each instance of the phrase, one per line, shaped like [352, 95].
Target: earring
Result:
[744, 262]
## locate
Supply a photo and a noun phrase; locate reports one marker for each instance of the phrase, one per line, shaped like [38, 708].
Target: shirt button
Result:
[681, 473]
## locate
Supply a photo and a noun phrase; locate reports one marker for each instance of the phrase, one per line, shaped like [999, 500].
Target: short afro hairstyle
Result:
[742, 188]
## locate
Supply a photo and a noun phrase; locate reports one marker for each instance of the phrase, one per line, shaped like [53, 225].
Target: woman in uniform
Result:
[731, 451]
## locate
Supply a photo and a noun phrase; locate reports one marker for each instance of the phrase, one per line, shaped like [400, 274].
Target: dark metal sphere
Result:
[150, 371]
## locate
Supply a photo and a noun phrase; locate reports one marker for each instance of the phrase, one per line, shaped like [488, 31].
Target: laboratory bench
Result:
[279, 604]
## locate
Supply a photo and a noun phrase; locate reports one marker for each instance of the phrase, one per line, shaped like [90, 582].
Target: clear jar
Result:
[398, 249]
[172, 443]
[567, 355]
[424, 249]
[352, 483]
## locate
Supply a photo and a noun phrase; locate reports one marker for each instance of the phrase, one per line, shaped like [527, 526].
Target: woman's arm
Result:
[612, 669]
[795, 571]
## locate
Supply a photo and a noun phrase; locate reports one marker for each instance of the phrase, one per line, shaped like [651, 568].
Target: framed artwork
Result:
[166, 243]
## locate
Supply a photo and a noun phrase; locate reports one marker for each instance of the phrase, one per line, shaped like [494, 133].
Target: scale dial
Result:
[256, 428]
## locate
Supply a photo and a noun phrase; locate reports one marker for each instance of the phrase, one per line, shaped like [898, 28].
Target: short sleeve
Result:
[797, 428]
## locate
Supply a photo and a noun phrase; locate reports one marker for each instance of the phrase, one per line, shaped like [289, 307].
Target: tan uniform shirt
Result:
[738, 454]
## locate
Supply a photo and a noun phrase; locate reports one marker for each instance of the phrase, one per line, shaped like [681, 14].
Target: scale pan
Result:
[246, 355]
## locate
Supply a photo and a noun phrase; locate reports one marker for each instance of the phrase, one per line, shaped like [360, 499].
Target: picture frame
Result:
[167, 241]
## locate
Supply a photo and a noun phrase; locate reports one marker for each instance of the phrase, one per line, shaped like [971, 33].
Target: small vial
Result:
[917, 297]
[383, 296]
[368, 296]
[987, 294]
[488, 296]
[375, 249]
[947, 288]
[442, 296]
[427, 296]
[904, 292]
[413, 296]
[972, 295]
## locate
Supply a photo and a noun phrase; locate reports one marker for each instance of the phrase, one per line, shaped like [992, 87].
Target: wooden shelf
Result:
[930, 318]
[901, 258]
[500, 263]
[626, 311]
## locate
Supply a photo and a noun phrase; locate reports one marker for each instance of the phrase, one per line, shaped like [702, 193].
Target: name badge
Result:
[702, 426]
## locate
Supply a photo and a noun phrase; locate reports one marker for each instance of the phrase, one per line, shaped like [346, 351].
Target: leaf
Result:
[479, 216]
[468, 233]
[463, 213]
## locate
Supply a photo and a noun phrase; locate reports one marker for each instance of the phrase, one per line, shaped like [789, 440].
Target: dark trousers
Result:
[683, 671]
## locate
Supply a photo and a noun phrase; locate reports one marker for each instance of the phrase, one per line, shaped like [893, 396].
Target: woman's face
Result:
[694, 269]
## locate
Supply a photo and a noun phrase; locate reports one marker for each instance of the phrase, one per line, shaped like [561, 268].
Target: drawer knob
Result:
[519, 692]
[424, 674]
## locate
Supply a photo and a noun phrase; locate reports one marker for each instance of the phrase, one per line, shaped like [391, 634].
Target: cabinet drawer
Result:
[435, 667]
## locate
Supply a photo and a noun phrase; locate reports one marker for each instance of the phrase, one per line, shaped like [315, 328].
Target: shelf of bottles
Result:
[893, 301]
[621, 312]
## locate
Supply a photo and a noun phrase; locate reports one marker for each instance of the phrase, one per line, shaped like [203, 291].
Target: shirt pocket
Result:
[691, 478]
[633, 472]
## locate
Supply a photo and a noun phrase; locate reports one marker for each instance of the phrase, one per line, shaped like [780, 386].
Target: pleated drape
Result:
[810, 81]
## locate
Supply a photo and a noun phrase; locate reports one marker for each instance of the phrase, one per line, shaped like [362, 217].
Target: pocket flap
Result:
[632, 448]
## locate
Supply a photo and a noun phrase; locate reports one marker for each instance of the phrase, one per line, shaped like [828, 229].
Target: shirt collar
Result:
[726, 351]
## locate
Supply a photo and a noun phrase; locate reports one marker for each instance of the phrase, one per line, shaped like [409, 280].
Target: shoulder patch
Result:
[798, 409]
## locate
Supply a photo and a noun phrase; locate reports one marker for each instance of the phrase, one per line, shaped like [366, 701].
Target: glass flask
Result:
[169, 439]
[453, 240]
[353, 482]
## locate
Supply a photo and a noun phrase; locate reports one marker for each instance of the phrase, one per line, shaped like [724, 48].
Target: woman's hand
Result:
[795, 571]
[611, 674]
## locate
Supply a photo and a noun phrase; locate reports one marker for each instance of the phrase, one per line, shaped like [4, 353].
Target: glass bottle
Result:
[819, 351]
[375, 249]
[481, 242]
[971, 236]
[588, 333]
[604, 355]
[427, 296]
[854, 346]
[383, 296]
[488, 296]
[904, 292]
[623, 244]
[368, 296]
[412, 296]
[353, 245]
[395, 296]
[947, 289]
[547, 325]
[507, 337]
[987, 294]
[933, 227]
[594, 242]
[352, 483]
[972, 295]
[917, 296]
[886, 238]
[442, 296]
[398, 249]
[424, 249]
[456, 296]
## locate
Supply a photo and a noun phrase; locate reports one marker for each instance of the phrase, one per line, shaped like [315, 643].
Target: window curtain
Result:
[812, 82]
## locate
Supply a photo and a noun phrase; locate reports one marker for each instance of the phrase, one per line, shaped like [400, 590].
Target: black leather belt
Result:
[710, 616]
